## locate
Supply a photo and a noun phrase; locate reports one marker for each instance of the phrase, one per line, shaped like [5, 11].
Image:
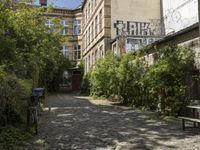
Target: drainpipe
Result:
[198, 53]
[162, 21]
[199, 17]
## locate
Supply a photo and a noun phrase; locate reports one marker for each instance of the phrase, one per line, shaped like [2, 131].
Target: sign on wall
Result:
[179, 14]
[138, 34]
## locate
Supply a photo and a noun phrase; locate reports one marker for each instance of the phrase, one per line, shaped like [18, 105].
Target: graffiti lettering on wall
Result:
[138, 34]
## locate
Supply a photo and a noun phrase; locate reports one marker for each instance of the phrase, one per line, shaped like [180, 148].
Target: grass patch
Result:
[168, 118]
[98, 98]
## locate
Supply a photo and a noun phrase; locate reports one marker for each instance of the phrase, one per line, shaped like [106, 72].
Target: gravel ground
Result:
[72, 122]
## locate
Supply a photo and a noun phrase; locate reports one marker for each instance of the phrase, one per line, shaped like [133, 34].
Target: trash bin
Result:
[40, 92]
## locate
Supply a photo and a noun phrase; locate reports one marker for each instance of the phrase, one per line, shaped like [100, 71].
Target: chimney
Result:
[43, 2]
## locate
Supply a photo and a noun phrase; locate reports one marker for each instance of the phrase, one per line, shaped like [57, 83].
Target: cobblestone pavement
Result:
[79, 123]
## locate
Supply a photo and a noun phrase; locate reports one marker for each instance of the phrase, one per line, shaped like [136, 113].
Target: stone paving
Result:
[72, 122]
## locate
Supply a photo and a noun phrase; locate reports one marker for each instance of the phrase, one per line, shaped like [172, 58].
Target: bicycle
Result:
[34, 118]
[33, 110]
[32, 113]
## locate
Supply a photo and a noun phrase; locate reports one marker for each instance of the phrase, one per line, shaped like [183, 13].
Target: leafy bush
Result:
[166, 79]
[9, 136]
[12, 105]
[159, 86]
[85, 85]
[130, 75]
[103, 79]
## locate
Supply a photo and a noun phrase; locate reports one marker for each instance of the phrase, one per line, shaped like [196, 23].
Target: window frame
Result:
[64, 27]
[77, 52]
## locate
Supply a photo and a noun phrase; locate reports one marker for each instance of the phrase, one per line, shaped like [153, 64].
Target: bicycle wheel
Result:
[36, 121]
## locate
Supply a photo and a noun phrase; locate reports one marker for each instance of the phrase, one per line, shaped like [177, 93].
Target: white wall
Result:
[179, 14]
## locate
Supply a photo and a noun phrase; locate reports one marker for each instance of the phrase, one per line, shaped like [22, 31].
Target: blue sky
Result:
[64, 3]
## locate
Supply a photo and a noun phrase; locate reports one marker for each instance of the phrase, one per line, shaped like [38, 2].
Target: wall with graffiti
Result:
[179, 14]
[135, 35]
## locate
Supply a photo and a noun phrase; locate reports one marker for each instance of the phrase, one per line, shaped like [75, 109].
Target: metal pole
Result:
[199, 16]
[199, 35]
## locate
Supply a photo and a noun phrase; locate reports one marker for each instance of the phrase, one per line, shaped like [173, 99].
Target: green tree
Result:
[37, 50]
[166, 79]
[130, 75]
[103, 78]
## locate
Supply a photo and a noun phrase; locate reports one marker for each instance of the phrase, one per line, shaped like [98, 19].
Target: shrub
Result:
[85, 85]
[166, 79]
[159, 86]
[9, 136]
[12, 105]
[103, 79]
[130, 75]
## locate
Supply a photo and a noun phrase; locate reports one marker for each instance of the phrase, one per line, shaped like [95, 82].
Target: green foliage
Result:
[159, 86]
[10, 135]
[28, 48]
[103, 79]
[166, 79]
[130, 75]
[85, 85]
[12, 92]
[30, 57]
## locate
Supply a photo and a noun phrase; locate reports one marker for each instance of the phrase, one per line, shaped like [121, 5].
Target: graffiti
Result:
[179, 14]
[137, 34]
[151, 28]
[133, 44]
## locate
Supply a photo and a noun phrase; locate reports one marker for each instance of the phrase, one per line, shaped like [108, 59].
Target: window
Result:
[95, 3]
[50, 25]
[101, 51]
[86, 15]
[77, 52]
[86, 39]
[92, 32]
[65, 51]
[100, 20]
[93, 59]
[96, 26]
[89, 36]
[96, 54]
[88, 10]
[89, 62]
[77, 27]
[86, 65]
[64, 29]
[91, 6]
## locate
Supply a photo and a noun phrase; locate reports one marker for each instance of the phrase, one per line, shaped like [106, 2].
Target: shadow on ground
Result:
[74, 123]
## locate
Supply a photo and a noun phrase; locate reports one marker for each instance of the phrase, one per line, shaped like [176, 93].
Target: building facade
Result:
[105, 21]
[68, 24]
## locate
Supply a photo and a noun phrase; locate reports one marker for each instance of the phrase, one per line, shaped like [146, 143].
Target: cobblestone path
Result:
[79, 123]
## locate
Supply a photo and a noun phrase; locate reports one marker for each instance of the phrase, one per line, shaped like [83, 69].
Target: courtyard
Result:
[71, 122]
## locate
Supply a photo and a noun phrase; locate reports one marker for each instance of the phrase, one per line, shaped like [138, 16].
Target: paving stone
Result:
[71, 122]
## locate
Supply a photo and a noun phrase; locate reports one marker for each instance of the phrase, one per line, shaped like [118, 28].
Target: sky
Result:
[71, 4]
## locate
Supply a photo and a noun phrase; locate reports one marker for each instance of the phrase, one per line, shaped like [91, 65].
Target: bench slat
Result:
[190, 119]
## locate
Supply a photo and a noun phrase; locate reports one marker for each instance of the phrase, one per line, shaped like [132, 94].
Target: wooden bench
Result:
[194, 120]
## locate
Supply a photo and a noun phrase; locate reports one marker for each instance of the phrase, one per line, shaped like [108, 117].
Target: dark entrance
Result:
[76, 80]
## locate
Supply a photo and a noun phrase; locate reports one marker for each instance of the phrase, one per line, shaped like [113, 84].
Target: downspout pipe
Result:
[162, 21]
